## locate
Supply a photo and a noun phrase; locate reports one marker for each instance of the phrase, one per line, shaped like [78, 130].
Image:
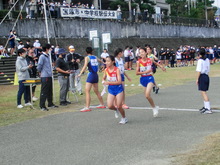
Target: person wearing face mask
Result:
[22, 71]
[37, 47]
[74, 59]
[63, 77]
[32, 71]
[45, 69]
[11, 41]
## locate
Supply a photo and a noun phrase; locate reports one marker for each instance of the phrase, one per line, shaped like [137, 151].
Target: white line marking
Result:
[167, 109]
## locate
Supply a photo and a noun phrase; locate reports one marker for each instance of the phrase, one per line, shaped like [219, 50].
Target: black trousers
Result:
[46, 92]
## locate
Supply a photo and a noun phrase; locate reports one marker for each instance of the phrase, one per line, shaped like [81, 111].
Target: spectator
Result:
[12, 42]
[20, 45]
[137, 52]
[37, 46]
[63, 77]
[74, 59]
[119, 12]
[52, 9]
[104, 55]
[27, 45]
[131, 58]
[127, 55]
[32, 8]
[56, 50]
[22, 72]
[32, 71]
[1, 49]
[45, 69]
[92, 7]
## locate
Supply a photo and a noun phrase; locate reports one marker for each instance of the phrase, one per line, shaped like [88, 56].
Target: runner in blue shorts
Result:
[144, 68]
[91, 62]
[112, 78]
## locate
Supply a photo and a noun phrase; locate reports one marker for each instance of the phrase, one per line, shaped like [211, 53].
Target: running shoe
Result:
[155, 111]
[116, 114]
[27, 104]
[124, 106]
[207, 112]
[100, 106]
[156, 90]
[85, 109]
[123, 121]
[20, 106]
[202, 109]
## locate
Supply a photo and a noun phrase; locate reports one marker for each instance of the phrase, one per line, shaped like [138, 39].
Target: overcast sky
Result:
[217, 3]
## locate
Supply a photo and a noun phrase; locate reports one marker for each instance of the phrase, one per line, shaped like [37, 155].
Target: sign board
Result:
[106, 38]
[95, 42]
[157, 9]
[92, 34]
[88, 13]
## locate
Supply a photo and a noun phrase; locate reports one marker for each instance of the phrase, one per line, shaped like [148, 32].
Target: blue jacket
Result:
[44, 66]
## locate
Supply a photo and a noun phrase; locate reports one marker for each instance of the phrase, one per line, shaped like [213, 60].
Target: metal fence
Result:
[123, 16]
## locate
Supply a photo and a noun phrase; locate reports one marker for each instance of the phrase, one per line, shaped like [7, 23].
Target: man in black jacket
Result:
[63, 77]
[73, 59]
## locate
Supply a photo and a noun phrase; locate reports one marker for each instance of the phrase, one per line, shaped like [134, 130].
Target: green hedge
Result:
[14, 14]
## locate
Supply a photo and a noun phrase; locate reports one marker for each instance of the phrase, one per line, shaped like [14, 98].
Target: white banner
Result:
[88, 13]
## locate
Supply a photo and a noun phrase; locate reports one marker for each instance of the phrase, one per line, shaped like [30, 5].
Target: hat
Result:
[61, 51]
[71, 47]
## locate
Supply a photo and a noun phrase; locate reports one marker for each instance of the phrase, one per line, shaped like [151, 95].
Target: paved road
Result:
[96, 138]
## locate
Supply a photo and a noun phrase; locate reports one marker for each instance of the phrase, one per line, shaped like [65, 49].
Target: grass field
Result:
[9, 113]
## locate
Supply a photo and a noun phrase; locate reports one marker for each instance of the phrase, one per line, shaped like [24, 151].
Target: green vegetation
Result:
[14, 14]
[192, 10]
[143, 4]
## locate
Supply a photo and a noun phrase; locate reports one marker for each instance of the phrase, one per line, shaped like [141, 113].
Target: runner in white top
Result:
[203, 68]
[120, 64]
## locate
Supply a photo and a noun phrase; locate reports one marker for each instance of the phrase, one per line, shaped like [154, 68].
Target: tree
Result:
[143, 4]
[197, 10]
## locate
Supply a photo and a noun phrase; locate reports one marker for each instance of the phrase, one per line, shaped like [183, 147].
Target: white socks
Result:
[207, 105]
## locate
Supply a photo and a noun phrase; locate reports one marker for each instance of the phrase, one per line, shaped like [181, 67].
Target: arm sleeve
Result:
[199, 66]
[40, 63]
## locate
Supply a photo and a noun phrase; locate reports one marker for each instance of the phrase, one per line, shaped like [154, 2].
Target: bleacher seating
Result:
[7, 71]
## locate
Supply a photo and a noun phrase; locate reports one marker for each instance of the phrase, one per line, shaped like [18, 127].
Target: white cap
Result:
[71, 47]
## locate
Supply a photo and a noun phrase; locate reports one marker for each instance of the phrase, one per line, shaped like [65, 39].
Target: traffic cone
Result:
[16, 79]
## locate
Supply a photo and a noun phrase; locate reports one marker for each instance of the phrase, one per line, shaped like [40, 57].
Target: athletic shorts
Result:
[203, 83]
[92, 78]
[167, 57]
[162, 57]
[122, 77]
[210, 56]
[115, 89]
[12, 45]
[127, 59]
[145, 80]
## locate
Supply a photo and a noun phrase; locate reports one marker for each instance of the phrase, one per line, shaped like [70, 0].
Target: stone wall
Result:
[77, 28]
